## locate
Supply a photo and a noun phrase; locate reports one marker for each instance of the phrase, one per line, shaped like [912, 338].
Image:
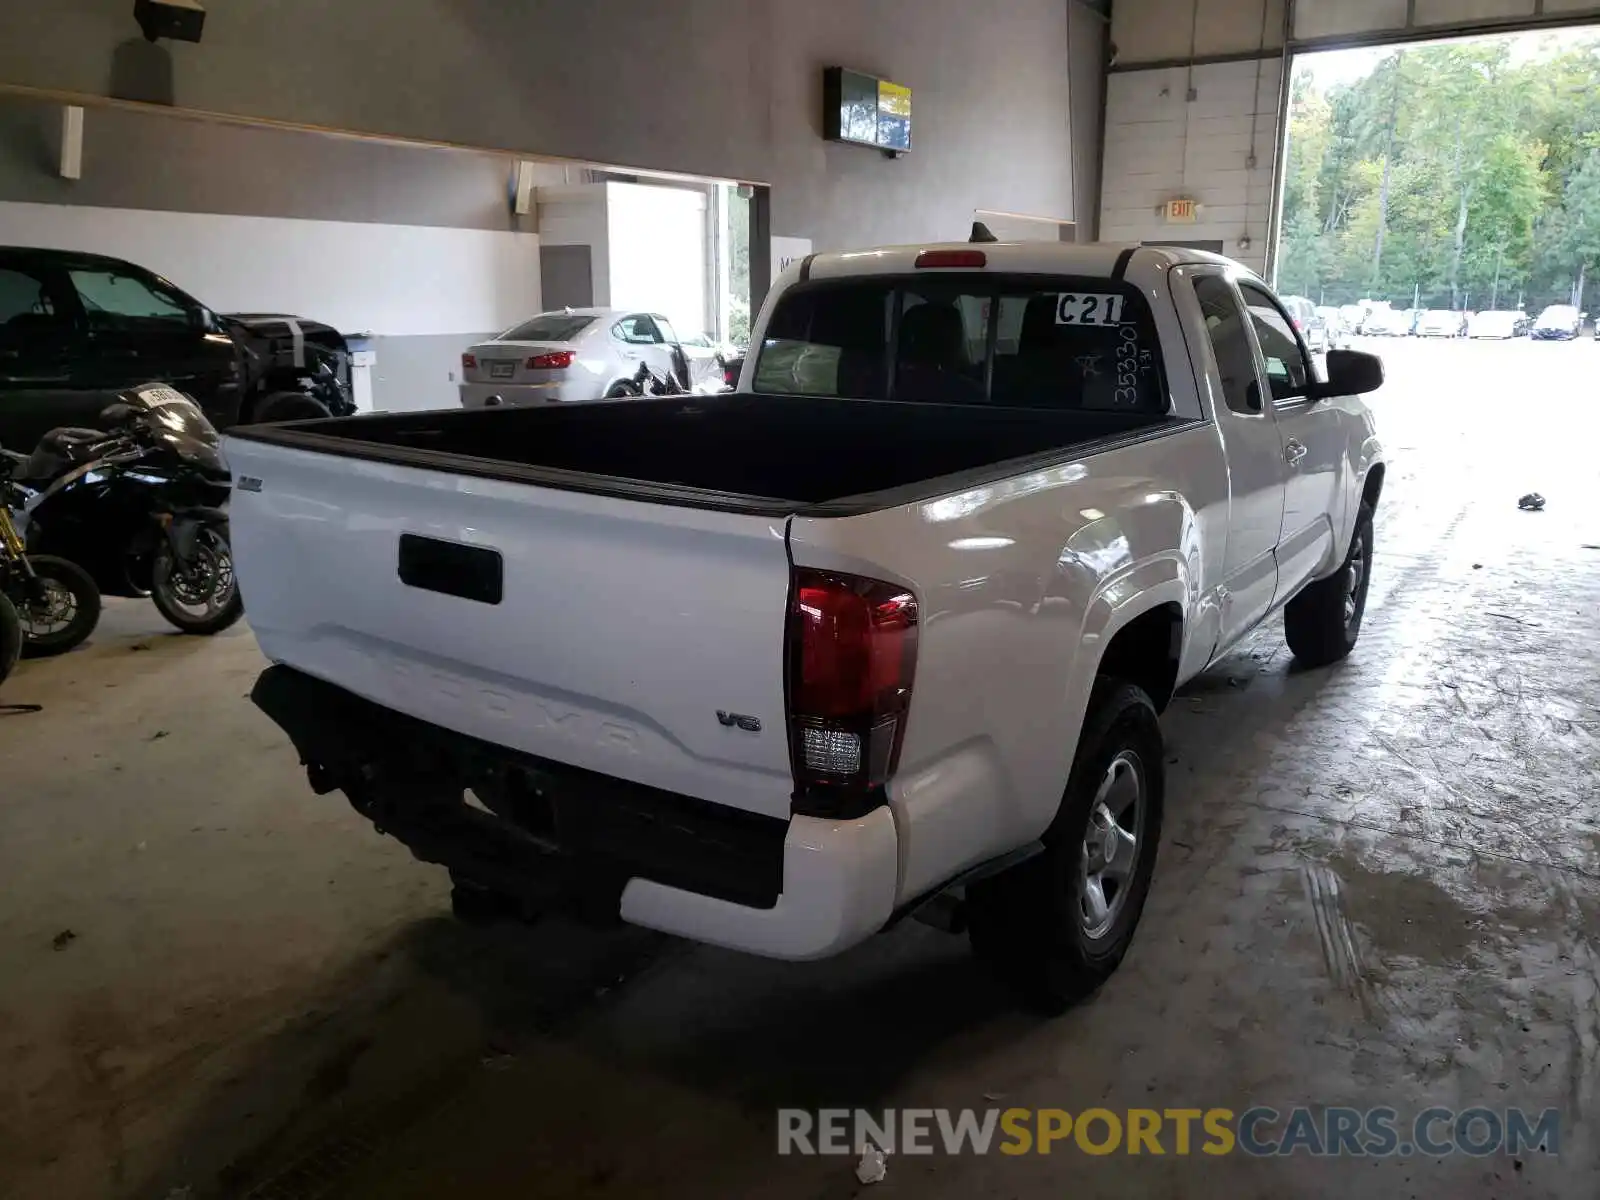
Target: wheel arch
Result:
[1146, 650]
[1372, 486]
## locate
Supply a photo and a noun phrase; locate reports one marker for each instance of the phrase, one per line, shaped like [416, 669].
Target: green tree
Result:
[1571, 233]
[1457, 173]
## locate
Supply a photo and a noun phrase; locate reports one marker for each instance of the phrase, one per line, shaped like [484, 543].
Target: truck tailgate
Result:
[610, 634]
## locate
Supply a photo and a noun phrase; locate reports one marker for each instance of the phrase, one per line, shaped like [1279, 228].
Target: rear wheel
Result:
[10, 638]
[203, 599]
[58, 609]
[1322, 623]
[1056, 926]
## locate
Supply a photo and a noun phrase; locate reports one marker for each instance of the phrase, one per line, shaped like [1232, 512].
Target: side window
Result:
[113, 300]
[1229, 344]
[1287, 368]
[25, 302]
[637, 330]
[828, 340]
[664, 328]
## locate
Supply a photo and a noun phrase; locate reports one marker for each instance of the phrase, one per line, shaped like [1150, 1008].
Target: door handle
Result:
[1293, 452]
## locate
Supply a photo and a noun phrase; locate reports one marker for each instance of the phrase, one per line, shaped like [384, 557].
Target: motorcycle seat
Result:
[58, 451]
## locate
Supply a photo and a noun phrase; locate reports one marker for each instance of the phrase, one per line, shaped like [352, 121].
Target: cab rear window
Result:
[1025, 342]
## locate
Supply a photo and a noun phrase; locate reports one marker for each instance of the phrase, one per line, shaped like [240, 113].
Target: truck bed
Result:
[742, 452]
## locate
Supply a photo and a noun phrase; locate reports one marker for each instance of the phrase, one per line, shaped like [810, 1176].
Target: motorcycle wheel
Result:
[204, 600]
[10, 638]
[65, 614]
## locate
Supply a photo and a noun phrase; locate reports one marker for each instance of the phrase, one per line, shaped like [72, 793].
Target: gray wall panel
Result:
[728, 88]
[413, 373]
[152, 160]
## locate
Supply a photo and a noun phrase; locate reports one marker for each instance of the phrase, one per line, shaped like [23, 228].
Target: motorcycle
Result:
[647, 383]
[55, 601]
[141, 508]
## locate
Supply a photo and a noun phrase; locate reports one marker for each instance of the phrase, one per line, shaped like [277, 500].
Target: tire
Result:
[1031, 923]
[474, 905]
[1322, 623]
[72, 584]
[10, 638]
[168, 589]
[287, 406]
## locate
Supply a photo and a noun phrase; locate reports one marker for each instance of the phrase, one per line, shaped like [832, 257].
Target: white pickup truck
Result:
[891, 623]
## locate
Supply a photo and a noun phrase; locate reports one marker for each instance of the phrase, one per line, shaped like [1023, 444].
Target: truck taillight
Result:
[469, 362]
[556, 360]
[852, 655]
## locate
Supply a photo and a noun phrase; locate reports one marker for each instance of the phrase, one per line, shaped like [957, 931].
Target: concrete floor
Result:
[1379, 885]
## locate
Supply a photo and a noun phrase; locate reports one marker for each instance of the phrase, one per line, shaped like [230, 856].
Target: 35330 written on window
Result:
[1067, 343]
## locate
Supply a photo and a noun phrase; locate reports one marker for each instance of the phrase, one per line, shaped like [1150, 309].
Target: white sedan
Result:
[1495, 324]
[582, 354]
[1442, 322]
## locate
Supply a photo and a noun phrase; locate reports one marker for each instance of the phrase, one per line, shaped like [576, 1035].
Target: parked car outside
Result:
[1310, 326]
[1558, 323]
[1442, 322]
[576, 354]
[75, 326]
[1387, 322]
[1496, 323]
[1333, 321]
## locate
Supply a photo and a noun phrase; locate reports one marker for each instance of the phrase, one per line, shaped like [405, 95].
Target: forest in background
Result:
[1458, 174]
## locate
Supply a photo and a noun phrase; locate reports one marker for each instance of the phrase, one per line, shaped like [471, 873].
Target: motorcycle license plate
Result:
[162, 395]
[502, 370]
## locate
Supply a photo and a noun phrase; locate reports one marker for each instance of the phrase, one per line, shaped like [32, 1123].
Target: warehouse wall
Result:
[1151, 31]
[1160, 146]
[725, 88]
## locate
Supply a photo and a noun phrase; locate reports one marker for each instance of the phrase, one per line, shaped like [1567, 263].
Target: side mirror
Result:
[1351, 373]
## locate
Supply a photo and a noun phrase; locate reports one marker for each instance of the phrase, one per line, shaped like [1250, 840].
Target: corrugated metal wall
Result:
[1160, 146]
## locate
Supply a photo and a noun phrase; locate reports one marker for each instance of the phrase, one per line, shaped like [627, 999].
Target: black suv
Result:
[74, 326]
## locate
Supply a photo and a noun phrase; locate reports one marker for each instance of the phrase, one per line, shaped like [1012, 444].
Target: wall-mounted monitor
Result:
[866, 111]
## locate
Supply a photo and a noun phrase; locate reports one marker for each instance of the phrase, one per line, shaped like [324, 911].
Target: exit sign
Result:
[1182, 212]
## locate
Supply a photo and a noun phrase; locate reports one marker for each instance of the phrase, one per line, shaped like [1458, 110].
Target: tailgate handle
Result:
[452, 569]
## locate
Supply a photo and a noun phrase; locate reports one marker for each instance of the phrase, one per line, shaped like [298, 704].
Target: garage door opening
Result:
[1451, 177]
[400, 255]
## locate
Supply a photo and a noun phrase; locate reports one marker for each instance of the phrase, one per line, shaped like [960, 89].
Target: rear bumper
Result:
[548, 835]
[527, 395]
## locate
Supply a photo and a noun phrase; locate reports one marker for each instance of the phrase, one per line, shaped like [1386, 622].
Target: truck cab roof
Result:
[1109, 259]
